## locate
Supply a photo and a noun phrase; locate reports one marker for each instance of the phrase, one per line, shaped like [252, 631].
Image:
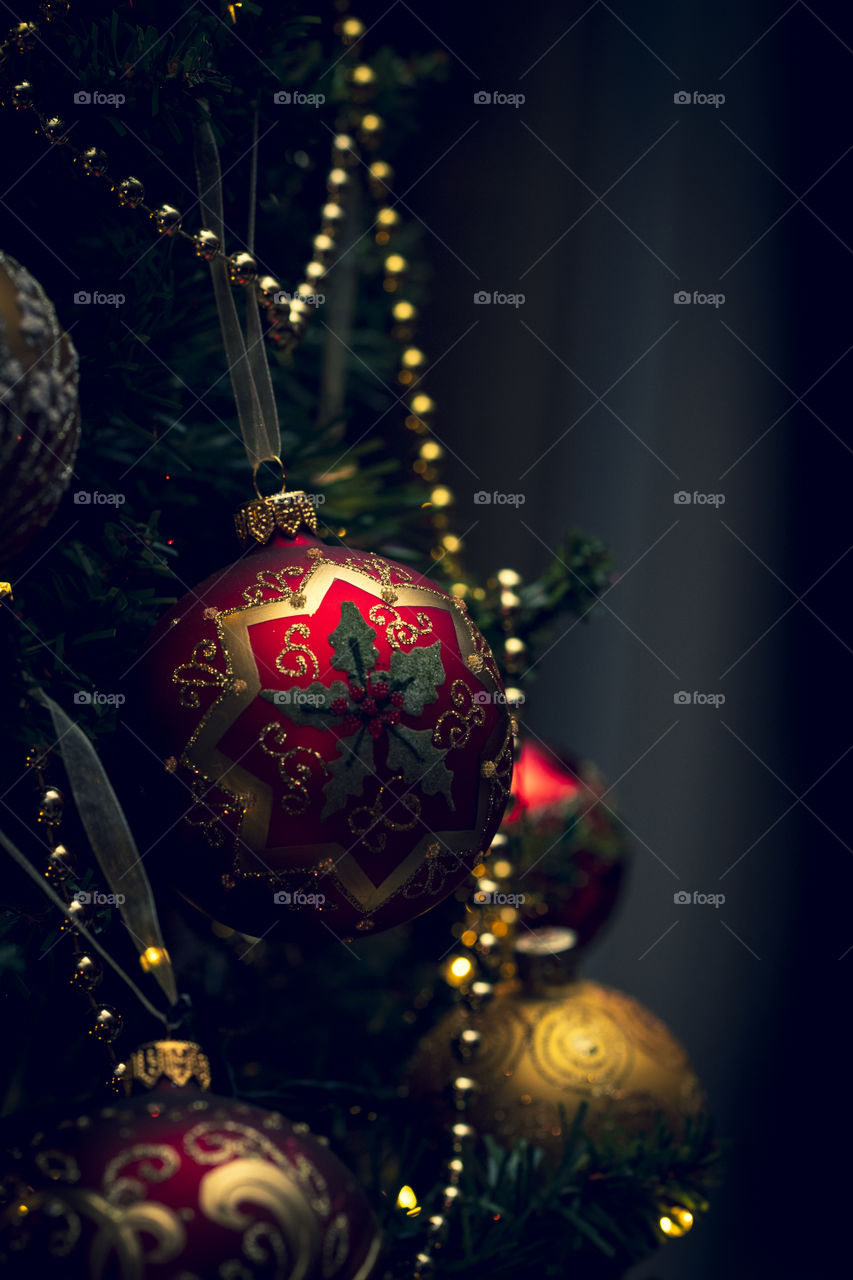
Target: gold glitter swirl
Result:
[304, 659]
[398, 632]
[197, 674]
[59, 1166]
[453, 727]
[367, 821]
[294, 766]
[579, 1046]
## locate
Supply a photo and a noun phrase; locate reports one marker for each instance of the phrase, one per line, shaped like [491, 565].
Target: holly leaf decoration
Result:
[352, 641]
[417, 675]
[347, 773]
[308, 706]
[413, 753]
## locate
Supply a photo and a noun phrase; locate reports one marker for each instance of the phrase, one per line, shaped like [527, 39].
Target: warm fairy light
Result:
[514, 645]
[459, 589]
[409, 1201]
[458, 971]
[352, 29]
[451, 543]
[421, 404]
[395, 264]
[508, 578]
[502, 869]
[677, 1222]
[441, 496]
[403, 311]
[430, 450]
[469, 937]
[153, 957]
[372, 123]
[479, 871]
[500, 929]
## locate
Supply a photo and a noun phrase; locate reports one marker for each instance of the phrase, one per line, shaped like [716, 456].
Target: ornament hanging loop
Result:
[262, 462]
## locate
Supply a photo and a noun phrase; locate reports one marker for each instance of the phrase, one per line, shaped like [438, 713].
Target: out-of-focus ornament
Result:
[39, 410]
[566, 844]
[549, 1041]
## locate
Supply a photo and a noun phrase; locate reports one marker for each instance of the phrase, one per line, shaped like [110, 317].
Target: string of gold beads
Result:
[105, 1022]
[287, 313]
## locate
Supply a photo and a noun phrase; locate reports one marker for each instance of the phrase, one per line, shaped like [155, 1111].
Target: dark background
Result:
[750, 599]
[597, 400]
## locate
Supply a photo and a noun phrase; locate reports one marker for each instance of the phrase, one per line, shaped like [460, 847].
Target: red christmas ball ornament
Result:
[39, 410]
[335, 729]
[568, 846]
[180, 1185]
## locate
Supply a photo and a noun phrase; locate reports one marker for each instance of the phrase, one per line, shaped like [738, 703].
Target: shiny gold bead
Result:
[242, 268]
[450, 1193]
[131, 192]
[413, 358]
[168, 219]
[362, 82]
[350, 30]
[54, 130]
[206, 243]
[344, 150]
[95, 162]
[324, 247]
[87, 972]
[23, 35]
[22, 94]
[51, 807]
[60, 864]
[380, 175]
[78, 913]
[370, 130]
[404, 312]
[422, 404]
[463, 1087]
[315, 271]
[268, 287]
[337, 181]
[333, 216]
[480, 994]
[466, 1043]
[107, 1023]
[424, 1266]
[305, 292]
[387, 219]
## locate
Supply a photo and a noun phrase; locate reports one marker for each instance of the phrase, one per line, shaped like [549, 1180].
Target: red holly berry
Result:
[374, 727]
[340, 706]
[357, 693]
[397, 699]
[392, 716]
[368, 706]
[381, 690]
[351, 725]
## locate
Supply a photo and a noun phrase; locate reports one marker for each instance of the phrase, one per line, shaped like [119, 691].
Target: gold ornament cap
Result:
[547, 957]
[288, 512]
[178, 1062]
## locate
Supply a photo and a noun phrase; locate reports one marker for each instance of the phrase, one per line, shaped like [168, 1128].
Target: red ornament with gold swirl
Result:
[178, 1184]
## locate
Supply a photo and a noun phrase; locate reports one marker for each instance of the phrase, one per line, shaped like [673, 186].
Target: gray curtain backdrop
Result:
[598, 399]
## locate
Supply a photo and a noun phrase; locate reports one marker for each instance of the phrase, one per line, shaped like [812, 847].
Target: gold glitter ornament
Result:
[550, 1041]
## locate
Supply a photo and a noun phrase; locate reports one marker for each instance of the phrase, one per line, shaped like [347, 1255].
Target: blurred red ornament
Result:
[568, 846]
[336, 736]
[39, 410]
[177, 1184]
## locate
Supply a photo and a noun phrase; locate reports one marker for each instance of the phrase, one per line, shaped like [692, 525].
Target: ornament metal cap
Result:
[547, 957]
[179, 1062]
[288, 511]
